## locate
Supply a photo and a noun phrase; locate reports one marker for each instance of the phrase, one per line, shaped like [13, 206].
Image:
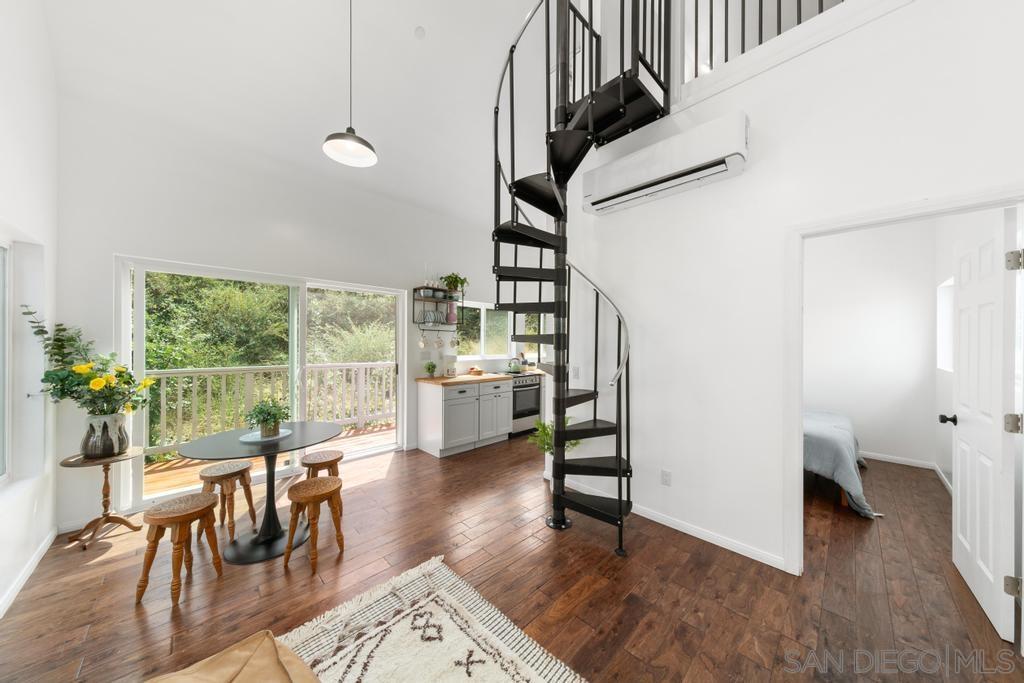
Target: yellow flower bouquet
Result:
[101, 386]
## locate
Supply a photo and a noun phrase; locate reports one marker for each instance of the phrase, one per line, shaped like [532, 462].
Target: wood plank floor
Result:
[676, 609]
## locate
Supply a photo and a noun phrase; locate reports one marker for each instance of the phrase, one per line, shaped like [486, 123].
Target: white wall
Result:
[869, 336]
[28, 215]
[134, 185]
[878, 118]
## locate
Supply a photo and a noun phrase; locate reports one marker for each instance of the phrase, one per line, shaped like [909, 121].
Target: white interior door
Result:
[983, 467]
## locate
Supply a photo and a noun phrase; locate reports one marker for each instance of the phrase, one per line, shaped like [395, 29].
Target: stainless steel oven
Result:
[525, 402]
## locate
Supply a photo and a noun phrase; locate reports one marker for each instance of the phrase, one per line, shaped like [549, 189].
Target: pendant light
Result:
[348, 148]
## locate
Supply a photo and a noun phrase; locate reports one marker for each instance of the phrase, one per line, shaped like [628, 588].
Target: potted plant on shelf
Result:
[430, 366]
[543, 438]
[454, 283]
[101, 386]
[268, 415]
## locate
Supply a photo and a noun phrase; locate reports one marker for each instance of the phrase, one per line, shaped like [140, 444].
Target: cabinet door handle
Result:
[462, 391]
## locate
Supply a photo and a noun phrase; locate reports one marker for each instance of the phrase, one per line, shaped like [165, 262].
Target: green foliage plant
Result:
[454, 282]
[97, 383]
[267, 413]
[430, 366]
[544, 437]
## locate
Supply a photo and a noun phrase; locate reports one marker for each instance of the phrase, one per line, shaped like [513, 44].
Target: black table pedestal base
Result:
[246, 549]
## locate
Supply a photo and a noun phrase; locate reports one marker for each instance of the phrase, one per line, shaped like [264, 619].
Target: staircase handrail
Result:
[622, 318]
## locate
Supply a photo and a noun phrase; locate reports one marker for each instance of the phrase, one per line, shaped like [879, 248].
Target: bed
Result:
[831, 451]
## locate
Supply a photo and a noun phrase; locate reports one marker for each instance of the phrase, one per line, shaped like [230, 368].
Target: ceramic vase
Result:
[105, 436]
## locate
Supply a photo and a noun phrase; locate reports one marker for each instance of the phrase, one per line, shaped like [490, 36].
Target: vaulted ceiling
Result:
[273, 75]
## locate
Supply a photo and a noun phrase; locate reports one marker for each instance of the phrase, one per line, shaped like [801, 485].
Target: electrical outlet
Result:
[666, 478]
[575, 372]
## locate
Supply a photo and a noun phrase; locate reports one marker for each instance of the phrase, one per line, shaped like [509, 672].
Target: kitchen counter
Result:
[473, 379]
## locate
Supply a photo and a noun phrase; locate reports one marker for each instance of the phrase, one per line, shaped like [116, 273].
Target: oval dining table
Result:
[269, 541]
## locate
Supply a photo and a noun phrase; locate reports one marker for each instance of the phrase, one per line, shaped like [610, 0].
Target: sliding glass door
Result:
[215, 342]
[352, 365]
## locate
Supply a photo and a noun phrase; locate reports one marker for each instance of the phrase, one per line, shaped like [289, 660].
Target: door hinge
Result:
[1013, 423]
[1015, 259]
[1011, 584]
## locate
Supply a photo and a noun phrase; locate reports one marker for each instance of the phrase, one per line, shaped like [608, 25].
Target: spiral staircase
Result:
[534, 276]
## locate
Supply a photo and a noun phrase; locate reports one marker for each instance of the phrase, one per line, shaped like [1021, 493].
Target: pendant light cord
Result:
[350, 63]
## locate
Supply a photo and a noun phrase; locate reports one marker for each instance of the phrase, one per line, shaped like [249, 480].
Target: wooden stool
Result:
[322, 460]
[227, 475]
[307, 495]
[178, 515]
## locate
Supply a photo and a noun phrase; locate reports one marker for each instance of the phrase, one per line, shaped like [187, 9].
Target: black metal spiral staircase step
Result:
[602, 466]
[598, 507]
[534, 338]
[566, 151]
[517, 274]
[515, 232]
[607, 110]
[541, 307]
[538, 190]
[589, 429]
[576, 397]
[642, 108]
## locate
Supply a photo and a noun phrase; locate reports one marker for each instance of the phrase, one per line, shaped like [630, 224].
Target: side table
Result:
[107, 517]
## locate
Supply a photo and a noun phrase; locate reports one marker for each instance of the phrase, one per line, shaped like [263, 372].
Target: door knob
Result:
[944, 419]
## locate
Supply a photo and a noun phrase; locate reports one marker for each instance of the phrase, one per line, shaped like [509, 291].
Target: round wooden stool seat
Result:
[185, 508]
[322, 458]
[306, 497]
[230, 468]
[314, 490]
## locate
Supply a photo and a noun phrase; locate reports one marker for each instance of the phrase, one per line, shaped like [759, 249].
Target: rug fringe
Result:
[299, 633]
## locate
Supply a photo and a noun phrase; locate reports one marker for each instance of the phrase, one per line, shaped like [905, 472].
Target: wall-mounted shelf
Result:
[425, 304]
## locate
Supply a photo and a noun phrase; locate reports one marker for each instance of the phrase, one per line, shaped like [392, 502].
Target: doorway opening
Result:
[911, 357]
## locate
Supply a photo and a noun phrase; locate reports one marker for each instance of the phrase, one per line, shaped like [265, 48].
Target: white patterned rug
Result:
[424, 625]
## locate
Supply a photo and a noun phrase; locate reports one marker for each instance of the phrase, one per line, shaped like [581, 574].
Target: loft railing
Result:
[190, 403]
[715, 31]
[647, 40]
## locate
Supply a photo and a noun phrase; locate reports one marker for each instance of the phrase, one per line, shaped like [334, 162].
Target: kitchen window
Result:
[484, 332]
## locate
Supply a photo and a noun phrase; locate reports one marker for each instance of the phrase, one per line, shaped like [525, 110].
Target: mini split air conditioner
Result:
[712, 151]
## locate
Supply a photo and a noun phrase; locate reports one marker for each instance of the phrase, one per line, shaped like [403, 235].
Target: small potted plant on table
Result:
[430, 366]
[268, 415]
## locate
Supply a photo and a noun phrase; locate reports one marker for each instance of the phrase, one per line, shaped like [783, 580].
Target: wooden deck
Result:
[675, 609]
[182, 473]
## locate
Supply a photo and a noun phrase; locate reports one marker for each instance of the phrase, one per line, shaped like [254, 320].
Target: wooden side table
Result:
[92, 529]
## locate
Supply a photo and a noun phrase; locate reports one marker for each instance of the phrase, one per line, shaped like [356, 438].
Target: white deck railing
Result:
[190, 403]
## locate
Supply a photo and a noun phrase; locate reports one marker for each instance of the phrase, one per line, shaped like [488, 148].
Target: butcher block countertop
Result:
[471, 379]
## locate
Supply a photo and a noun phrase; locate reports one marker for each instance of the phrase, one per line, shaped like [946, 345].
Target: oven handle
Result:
[528, 387]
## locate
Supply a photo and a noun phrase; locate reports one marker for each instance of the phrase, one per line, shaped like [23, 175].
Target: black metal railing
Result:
[645, 34]
[716, 31]
[584, 53]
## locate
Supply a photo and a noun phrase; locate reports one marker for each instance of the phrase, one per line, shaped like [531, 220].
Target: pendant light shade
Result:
[348, 148]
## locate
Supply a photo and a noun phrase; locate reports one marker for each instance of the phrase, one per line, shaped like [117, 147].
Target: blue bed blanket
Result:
[831, 450]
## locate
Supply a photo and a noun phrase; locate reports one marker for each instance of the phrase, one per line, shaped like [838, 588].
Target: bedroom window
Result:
[4, 362]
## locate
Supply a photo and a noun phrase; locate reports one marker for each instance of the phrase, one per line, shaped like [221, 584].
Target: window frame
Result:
[487, 309]
[6, 384]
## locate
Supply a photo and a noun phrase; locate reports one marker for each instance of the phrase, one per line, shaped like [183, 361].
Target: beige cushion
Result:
[257, 659]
